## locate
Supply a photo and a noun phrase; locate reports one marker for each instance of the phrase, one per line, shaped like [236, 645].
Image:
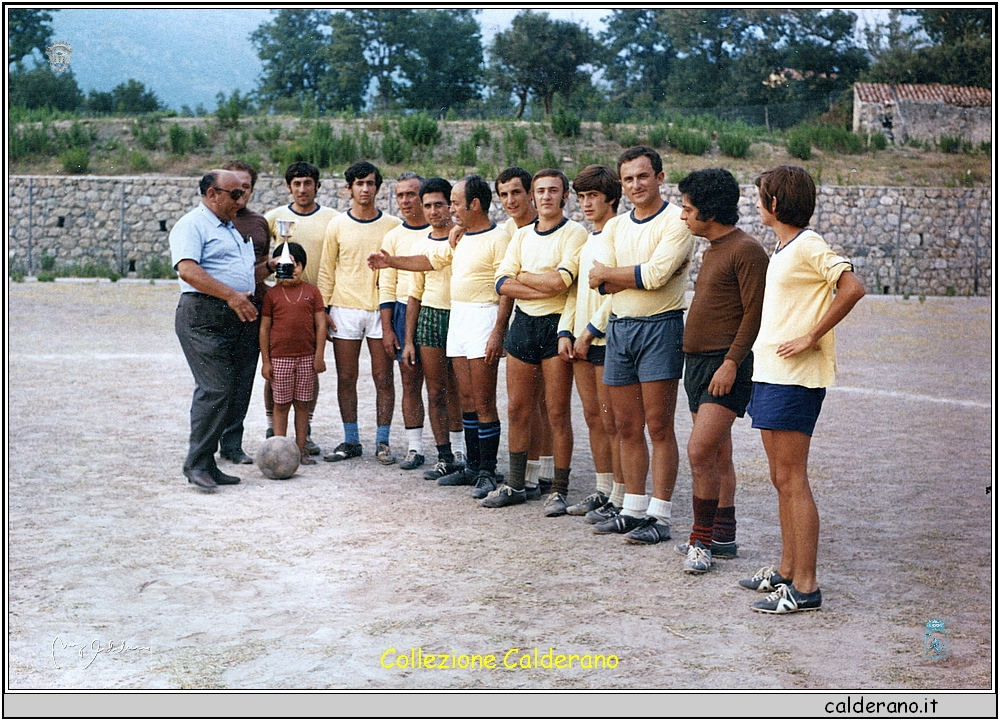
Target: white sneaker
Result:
[699, 559]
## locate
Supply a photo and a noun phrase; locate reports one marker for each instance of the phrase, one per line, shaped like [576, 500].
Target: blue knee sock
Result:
[351, 433]
[382, 434]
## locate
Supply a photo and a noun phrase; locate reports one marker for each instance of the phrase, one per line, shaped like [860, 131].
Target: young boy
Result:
[292, 340]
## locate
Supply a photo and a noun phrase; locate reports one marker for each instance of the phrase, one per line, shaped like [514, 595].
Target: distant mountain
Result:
[184, 56]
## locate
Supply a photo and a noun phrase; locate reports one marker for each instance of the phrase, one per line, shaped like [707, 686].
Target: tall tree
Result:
[40, 87]
[27, 31]
[443, 65]
[293, 50]
[346, 81]
[386, 35]
[541, 56]
[639, 57]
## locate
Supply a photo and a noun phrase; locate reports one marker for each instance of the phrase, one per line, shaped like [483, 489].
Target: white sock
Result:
[617, 496]
[415, 439]
[635, 505]
[605, 482]
[457, 439]
[548, 467]
[531, 475]
[659, 509]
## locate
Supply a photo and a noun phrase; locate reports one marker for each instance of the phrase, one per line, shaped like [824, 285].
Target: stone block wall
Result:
[902, 240]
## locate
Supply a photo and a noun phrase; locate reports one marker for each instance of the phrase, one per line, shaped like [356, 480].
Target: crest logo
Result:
[59, 54]
[935, 640]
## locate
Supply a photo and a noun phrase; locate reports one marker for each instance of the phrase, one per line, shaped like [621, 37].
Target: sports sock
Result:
[659, 509]
[351, 433]
[444, 453]
[617, 496]
[489, 446]
[382, 434]
[635, 505]
[470, 428]
[518, 461]
[457, 440]
[269, 415]
[415, 439]
[546, 467]
[605, 483]
[531, 475]
[724, 527]
[560, 481]
[704, 517]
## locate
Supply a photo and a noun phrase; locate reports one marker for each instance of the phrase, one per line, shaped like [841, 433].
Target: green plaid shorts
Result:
[432, 327]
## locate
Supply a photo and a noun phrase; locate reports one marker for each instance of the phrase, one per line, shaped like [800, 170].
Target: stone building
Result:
[923, 112]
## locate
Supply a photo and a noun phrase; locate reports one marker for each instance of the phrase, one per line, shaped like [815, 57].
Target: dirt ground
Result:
[121, 575]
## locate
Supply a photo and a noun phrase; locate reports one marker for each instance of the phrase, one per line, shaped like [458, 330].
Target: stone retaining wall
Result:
[931, 241]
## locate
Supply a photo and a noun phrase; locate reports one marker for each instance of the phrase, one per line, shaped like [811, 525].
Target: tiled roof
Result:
[948, 94]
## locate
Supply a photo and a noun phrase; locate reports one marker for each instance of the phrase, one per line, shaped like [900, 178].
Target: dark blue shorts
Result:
[595, 354]
[533, 338]
[399, 328]
[785, 408]
[644, 350]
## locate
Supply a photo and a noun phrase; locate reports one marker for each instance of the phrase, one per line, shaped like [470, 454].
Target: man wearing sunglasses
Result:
[214, 317]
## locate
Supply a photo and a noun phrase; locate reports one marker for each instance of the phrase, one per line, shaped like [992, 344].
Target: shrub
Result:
[148, 136]
[47, 261]
[735, 145]
[515, 144]
[29, 141]
[16, 275]
[949, 144]
[46, 277]
[367, 148]
[178, 139]
[199, 139]
[798, 145]
[985, 147]
[157, 267]
[237, 142]
[549, 159]
[675, 175]
[466, 152]
[75, 160]
[878, 141]
[658, 136]
[481, 135]
[688, 142]
[628, 138]
[394, 149]
[78, 136]
[227, 111]
[566, 124]
[138, 161]
[266, 133]
[835, 139]
[421, 130]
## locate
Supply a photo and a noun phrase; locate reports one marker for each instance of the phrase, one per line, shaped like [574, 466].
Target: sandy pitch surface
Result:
[122, 575]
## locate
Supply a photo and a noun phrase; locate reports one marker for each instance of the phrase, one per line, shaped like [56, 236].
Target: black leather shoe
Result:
[238, 456]
[224, 479]
[201, 478]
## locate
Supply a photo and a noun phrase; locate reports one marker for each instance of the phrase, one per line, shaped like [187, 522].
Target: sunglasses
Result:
[235, 194]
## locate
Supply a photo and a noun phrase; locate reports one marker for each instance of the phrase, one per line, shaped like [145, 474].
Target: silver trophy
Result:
[286, 265]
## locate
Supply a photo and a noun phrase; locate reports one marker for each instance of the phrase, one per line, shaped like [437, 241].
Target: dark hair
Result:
[637, 151]
[794, 190]
[476, 187]
[207, 181]
[514, 172]
[714, 192]
[602, 179]
[362, 169]
[294, 249]
[552, 173]
[301, 169]
[436, 185]
[245, 167]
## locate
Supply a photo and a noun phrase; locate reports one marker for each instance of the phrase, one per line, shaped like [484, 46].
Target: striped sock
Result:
[470, 427]
[704, 517]
[489, 446]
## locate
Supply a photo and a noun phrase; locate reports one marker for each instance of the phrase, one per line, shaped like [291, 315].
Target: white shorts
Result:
[354, 324]
[470, 328]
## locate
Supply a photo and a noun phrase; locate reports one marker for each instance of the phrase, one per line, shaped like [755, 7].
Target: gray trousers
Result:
[232, 437]
[219, 348]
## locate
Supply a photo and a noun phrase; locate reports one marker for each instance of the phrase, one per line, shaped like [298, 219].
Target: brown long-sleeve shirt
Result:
[728, 295]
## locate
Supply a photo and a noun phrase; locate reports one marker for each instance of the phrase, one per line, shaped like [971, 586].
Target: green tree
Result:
[639, 58]
[43, 88]
[348, 76]
[132, 98]
[386, 35]
[27, 31]
[294, 51]
[438, 80]
[541, 56]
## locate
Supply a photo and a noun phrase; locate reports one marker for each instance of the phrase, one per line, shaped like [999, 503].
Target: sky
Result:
[187, 56]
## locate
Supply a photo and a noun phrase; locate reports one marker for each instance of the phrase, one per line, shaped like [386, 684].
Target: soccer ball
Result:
[278, 458]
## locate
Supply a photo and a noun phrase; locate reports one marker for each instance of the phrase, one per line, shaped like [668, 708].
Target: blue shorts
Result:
[399, 328]
[644, 350]
[785, 408]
